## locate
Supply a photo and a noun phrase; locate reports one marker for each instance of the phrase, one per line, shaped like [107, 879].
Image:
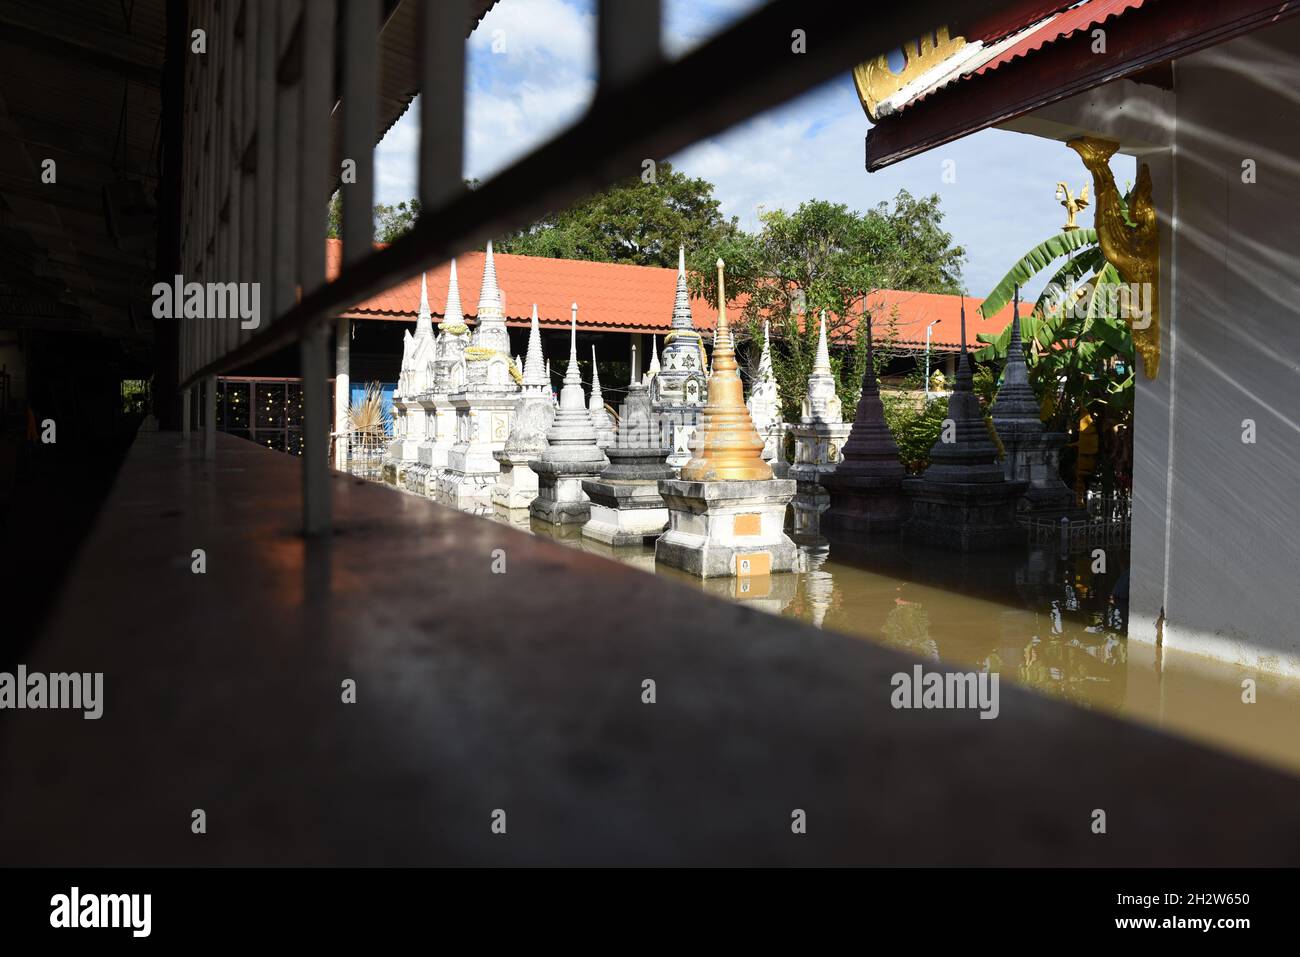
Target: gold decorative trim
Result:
[876, 81]
[1134, 250]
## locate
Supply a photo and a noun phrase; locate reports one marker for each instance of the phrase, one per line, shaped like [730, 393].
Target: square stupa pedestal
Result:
[623, 512]
[516, 486]
[964, 516]
[728, 528]
[865, 504]
[560, 499]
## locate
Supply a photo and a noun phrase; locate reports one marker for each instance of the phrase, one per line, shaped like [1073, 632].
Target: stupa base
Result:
[465, 491]
[726, 529]
[560, 499]
[516, 486]
[624, 513]
[964, 516]
[866, 505]
[420, 479]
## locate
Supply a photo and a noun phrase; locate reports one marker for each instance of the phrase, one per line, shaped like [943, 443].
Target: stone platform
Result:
[560, 497]
[966, 516]
[865, 504]
[626, 507]
[278, 622]
[727, 528]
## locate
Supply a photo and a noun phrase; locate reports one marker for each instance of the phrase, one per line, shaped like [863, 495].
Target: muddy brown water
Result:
[1043, 620]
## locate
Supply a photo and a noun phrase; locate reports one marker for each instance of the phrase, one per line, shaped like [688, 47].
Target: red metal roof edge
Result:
[1063, 24]
[953, 111]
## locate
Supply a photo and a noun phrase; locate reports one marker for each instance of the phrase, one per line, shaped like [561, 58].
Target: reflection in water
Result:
[1042, 619]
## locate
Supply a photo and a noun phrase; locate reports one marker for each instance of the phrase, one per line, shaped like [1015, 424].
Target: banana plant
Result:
[1078, 348]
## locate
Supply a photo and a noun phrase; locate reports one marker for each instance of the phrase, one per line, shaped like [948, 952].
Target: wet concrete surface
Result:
[520, 688]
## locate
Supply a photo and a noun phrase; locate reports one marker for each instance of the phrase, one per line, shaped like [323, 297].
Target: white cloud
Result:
[1001, 204]
[526, 30]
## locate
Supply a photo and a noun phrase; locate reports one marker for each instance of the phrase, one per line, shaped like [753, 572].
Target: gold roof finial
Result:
[727, 446]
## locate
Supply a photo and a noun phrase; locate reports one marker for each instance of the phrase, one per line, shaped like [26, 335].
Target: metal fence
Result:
[362, 453]
[1109, 521]
[258, 169]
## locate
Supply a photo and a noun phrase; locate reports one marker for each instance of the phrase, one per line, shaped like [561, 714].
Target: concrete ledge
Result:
[523, 691]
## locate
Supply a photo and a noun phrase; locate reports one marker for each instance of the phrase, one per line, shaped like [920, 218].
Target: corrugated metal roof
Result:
[1029, 38]
[625, 298]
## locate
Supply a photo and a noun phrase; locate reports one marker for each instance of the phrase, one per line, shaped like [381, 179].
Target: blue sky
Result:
[531, 72]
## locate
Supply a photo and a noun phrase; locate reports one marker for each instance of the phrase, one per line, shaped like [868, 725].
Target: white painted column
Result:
[638, 354]
[342, 389]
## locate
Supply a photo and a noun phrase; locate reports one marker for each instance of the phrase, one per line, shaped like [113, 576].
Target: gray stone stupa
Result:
[963, 500]
[866, 488]
[626, 507]
[571, 455]
[534, 412]
[1033, 455]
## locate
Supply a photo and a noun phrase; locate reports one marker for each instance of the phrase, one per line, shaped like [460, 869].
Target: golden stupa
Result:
[727, 446]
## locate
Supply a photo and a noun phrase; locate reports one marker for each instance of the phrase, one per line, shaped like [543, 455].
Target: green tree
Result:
[636, 221]
[390, 222]
[826, 256]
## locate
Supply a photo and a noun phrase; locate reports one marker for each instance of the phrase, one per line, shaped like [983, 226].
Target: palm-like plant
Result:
[1078, 347]
[367, 415]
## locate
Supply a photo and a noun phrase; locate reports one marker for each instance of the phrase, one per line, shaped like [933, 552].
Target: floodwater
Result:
[1044, 620]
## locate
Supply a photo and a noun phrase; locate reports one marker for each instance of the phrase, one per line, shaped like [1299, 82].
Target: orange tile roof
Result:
[614, 297]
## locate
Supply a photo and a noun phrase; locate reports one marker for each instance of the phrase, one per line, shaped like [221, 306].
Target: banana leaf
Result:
[1034, 262]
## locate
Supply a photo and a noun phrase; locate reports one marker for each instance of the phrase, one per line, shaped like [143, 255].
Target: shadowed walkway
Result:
[522, 691]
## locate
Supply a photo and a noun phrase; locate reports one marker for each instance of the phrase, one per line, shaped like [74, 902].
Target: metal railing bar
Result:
[628, 42]
[316, 89]
[661, 113]
[442, 104]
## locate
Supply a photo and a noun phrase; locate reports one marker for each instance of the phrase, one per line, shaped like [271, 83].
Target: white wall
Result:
[1229, 582]
[1216, 522]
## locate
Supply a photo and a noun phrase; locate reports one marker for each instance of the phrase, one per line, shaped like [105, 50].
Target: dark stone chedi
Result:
[866, 488]
[963, 500]
[626, 507]
[1032, 454]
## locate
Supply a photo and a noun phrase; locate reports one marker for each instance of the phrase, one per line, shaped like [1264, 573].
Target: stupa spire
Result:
[682, 304]
[821, 403]
[490, 292]
[654, 357]
[765, 372]
[600, 417]
[1016, 406]
[453, 314]
[963, 324]
[571, 375]
[424, 319]
[727, 446]
[597, 397]
[822, 362]
[535, 378]
[572, 425]
[870, 449]
[965, 453]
